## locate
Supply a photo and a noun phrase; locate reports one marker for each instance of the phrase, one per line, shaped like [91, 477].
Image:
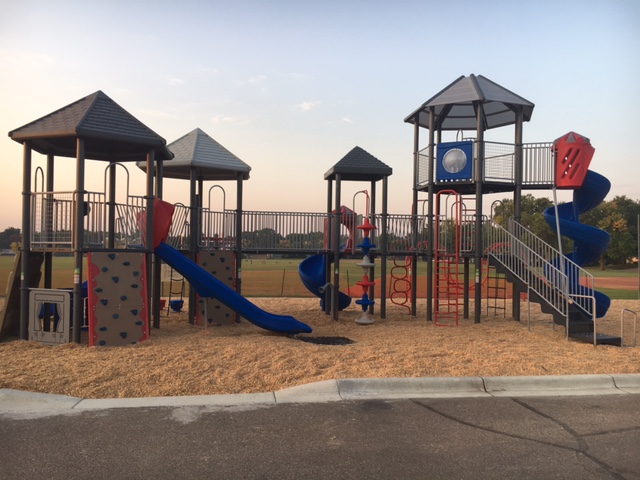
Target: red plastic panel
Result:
[573, 154]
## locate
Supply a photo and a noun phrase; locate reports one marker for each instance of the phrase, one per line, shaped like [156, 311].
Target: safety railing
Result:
[52, 220]
[500, 165]
[529, 263]
[580, 283]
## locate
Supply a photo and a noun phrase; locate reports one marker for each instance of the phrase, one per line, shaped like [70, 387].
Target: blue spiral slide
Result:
[589, 243]
[209, 286]
[313, 272]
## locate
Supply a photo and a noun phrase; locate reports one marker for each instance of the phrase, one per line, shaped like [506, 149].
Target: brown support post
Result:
[112, 206]
[149, 235]
[414, 215]
[372, 270]
[157, 263]
[193, 202]
[26, 241]
[329, 237]
[430, 233]
[78, 241]
[336, 252]
[517, 202]
[383, 251]
[479, 179]
[239, 235]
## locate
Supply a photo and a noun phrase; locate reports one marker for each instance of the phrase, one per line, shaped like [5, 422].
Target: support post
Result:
[193, 254]
[26, 241]
[430, 219]
[517, 202]
[239, 234]
[78, 213]
[157, 263]
[335, 291]
[414, 216]
[149, 235]
[383, 251]
[479, 179]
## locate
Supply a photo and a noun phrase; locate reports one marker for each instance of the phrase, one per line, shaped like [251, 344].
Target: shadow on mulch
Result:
[327, 340]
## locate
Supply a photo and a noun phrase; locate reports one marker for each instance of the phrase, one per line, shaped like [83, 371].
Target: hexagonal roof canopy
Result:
[455, 106]
[359, 165]
[110, 133]
[197, 150]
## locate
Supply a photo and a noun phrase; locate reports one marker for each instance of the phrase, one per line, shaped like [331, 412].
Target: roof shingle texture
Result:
[359, 165]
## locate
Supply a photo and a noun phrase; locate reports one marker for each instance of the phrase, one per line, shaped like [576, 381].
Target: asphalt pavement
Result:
[568, 427]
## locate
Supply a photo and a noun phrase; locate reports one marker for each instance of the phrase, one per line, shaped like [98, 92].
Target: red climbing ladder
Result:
[447, 259]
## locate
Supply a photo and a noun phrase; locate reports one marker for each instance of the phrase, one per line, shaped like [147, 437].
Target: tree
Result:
[619, 218]
[532, 216]
[9, 236]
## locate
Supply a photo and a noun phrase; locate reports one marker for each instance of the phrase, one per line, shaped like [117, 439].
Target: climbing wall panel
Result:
[117, 298]
[220, 264]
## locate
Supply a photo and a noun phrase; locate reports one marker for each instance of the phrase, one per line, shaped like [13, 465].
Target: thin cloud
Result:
[220, 119]
[307, 106]
[176, 81]
[255, 80]
[346, 120]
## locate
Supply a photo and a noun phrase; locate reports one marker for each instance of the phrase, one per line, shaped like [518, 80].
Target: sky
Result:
[291, 86]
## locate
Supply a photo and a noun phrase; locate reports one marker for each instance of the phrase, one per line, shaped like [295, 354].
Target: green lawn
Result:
[275, 277]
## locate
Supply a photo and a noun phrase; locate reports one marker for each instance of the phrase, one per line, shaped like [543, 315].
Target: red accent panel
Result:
[573, 154]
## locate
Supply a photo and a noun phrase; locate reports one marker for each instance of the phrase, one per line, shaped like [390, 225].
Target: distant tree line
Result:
[9, 236]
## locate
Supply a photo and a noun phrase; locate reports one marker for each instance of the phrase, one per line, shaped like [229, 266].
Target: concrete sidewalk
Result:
[346, 389]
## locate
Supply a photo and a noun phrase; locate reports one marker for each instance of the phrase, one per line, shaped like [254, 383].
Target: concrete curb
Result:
[552, 385]
[344, 390]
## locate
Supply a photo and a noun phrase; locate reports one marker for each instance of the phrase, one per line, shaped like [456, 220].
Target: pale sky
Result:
[290, 87]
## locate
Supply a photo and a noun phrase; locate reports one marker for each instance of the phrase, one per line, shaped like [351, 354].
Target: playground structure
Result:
[448, 236]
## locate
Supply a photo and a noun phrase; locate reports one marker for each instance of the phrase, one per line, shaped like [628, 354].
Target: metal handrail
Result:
[576, 275]
[531, 267]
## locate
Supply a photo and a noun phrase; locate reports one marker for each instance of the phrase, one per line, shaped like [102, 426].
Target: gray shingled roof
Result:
[455, 109]
[211, 160]
[109, 131]
[359, 165]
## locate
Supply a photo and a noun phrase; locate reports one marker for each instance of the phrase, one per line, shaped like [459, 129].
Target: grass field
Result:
[279, 277]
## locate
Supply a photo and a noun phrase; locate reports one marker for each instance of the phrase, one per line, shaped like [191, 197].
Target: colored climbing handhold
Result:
[134, 311]
[112, 256]
[136, 273]
[139, 323]
[115, 316]
[105, 269]
[123, 334]
[134, 285]
[126, 264]
[104, 301]
[115, 279]
[103, 329]
[123, 298]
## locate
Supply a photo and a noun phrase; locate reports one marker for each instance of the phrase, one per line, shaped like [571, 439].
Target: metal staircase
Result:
[528, 261]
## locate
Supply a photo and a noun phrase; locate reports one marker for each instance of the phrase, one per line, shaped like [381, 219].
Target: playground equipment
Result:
[208, 286]
[81, 222]
[313, 269]
[367, 264]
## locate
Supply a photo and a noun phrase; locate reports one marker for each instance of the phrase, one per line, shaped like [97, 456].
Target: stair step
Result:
[601, 339]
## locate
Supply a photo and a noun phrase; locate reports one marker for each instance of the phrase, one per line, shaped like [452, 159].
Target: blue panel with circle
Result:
[455, 162]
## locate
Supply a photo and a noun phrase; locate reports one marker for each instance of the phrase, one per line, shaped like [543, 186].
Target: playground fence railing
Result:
[499, 164]
[528, 260]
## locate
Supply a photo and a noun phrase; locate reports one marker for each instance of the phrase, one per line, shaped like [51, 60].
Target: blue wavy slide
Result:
[208, 286]
[312, 272]
[589, 243]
